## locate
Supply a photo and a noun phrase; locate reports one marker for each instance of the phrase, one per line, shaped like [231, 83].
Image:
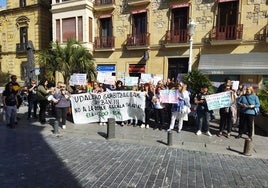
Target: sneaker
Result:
[63, 126]
[147, 127]
[100, 123]
[104, 124]
[208, 133]
[142, 126]
[198, 132]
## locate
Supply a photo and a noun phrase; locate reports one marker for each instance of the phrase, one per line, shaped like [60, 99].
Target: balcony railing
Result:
[138, 39]
[21, 47]
[176, 36]
[104, 42]
[104, 2]
[229, 32]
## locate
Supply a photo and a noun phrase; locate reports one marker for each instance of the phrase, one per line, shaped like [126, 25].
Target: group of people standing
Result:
[166, 116]
[38, 96]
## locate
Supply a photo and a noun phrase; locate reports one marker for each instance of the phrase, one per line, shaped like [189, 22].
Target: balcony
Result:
[104, 5]
[104, 43]
[230, 34]
[138, 2]
[176, 38]
[21, 47]
[138, 41]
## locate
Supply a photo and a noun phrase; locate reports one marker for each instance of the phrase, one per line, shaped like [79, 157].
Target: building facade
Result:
[151, 36]
[23, 21]
[130, 37]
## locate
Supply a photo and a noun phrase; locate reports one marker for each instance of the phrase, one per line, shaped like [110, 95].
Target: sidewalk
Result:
[184, 140]
[81, 156]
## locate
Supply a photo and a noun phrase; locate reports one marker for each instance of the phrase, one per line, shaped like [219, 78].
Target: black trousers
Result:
[61, 113]
[246, 122]
[43, 108]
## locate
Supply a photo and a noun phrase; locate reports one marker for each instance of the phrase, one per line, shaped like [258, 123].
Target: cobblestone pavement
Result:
[80, 156]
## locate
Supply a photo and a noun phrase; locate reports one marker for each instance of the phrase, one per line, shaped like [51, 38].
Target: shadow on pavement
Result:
[27, 160]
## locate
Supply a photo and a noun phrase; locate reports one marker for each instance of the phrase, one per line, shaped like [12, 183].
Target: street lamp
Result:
[191, 31]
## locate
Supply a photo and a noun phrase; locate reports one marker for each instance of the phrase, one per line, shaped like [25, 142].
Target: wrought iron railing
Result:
[104, 42]
[228, 32]
[176, 36]
[138, 39]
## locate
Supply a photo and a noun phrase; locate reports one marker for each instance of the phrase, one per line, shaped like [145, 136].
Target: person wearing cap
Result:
[202, 111]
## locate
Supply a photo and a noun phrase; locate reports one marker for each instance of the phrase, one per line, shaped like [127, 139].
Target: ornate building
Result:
[152, 36]
[20, 22]
[130, 37]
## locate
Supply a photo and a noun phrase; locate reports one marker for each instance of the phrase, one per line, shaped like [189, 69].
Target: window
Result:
[80, 28]
[179, 18]
[90, 35]
[105, 27]
[68, 29]
[22, 3]
[23, 35]
[176, 67]
[58, 36]
[139, 23]
[227, 13]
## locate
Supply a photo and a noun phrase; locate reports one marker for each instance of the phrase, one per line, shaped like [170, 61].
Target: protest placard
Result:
[146, 78]
[219, 100]
[121, 105]
[78, 79]
[131, 81]
[168, 96]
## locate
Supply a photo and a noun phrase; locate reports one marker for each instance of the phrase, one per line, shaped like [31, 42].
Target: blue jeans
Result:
[203, 120]
[11, 114]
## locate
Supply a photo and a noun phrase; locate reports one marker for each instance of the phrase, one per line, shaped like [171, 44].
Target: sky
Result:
[2, 3]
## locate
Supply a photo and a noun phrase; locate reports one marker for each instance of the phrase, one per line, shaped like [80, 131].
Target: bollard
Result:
[56, 127]
[111, 128]
[247, 147]
[169, 138]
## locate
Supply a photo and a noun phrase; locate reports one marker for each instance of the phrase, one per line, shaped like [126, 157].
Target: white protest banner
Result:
[131, 81]
[121, 105]
[219, 100]
[168, 96]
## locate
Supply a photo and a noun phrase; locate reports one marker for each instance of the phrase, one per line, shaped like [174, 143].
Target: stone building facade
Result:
[130, 37]
[150, 36]
[20, 22]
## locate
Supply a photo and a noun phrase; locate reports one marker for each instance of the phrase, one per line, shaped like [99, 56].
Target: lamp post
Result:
[191, 31]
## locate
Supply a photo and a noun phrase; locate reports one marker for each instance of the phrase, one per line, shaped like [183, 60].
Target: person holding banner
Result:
[159, 109]
[179, 110]
[247, 102]
[202, 111]
[227, 114]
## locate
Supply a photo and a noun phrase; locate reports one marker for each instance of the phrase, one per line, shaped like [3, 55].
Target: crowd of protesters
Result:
[158, 115]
